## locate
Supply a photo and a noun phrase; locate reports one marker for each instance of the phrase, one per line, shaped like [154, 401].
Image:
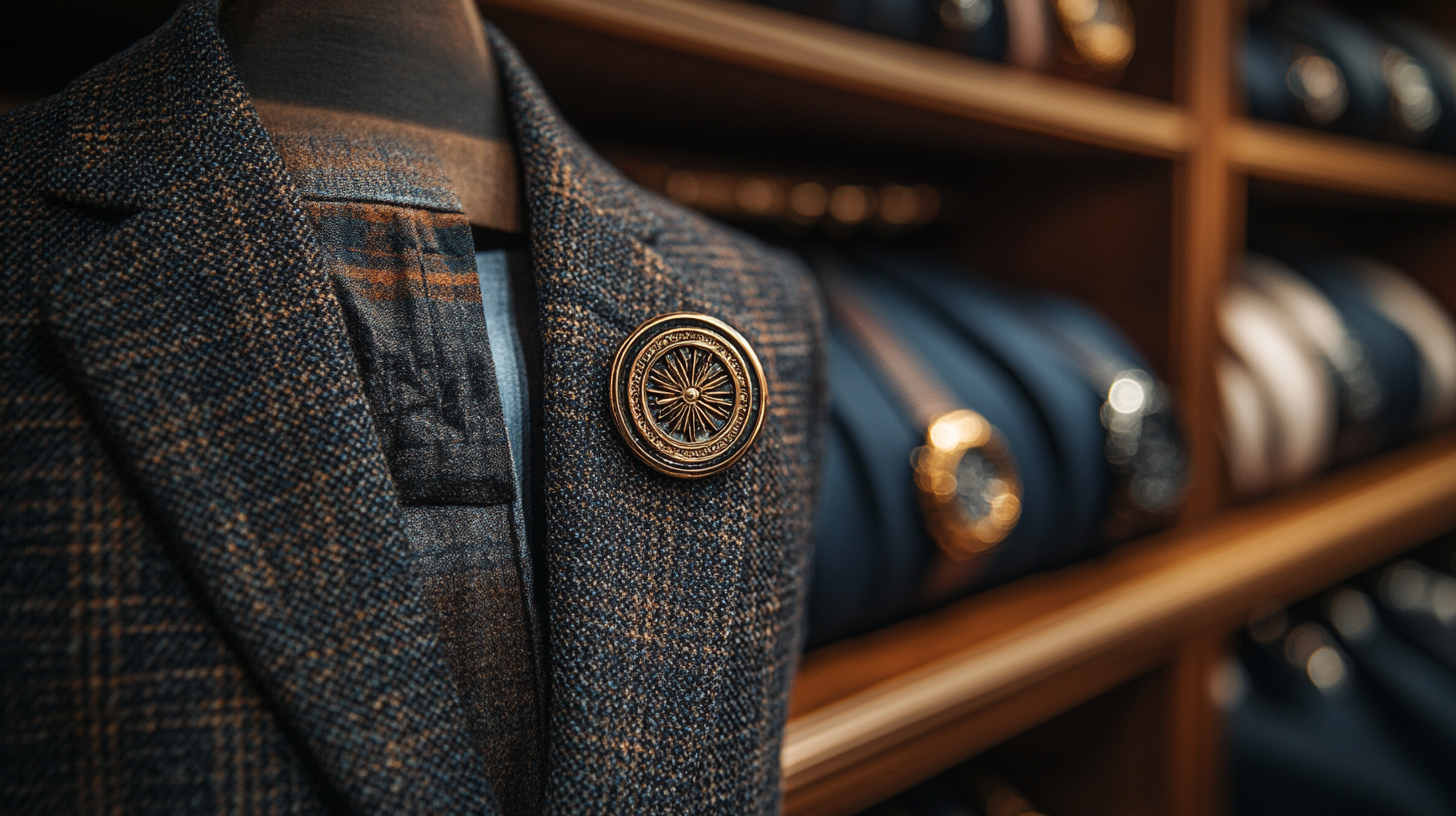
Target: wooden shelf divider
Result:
[861, 706]
[822, 53]
[1339, 163]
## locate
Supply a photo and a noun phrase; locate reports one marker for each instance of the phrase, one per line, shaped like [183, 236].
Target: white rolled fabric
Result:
[1291, 375]
[1409, 306]
[1247, 429]
[1302, 303]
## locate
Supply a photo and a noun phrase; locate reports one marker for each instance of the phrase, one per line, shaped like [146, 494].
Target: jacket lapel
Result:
[643, 570]
[214, 354]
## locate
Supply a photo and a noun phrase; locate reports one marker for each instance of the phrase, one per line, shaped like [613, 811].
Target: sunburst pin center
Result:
[691, 394]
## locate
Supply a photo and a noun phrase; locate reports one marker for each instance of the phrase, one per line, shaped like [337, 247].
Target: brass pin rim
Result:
[636, 364]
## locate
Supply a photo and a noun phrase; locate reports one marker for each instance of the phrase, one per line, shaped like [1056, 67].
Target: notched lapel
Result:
[207, 338]
[644, 570]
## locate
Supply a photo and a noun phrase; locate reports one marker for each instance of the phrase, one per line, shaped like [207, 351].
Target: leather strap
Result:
[914, 384]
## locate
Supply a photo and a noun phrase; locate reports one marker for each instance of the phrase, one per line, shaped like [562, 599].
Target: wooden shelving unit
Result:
[945, 686]
[869, 66]
[1137, 201]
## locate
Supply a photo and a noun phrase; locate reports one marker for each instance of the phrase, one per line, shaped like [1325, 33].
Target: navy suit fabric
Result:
[1297, 750]
[208, 599]
[988, 319]
[871, 550]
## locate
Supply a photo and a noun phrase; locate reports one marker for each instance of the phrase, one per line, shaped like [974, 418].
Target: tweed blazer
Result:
[207, 600]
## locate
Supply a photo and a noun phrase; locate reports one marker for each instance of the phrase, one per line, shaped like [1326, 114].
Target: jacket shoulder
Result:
[729, 266]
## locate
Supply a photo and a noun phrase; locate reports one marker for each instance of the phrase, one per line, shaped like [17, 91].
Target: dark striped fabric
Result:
[406, 281]
[211, 598]
[402, 262]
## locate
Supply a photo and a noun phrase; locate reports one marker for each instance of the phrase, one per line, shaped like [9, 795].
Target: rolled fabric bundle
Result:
[1395, 94]
[975, 27]
[1307, 735]
[1291, 378]
[1357, 51]
[1416, 109]
[1266, 63]
[1417, 692]
[1142, 444]
[871, 547]
[1438, 58]
[1395, 362]
[1419, 604]
[990, 319]
[1047, 374]
[875, 560]
[982, 385]
[1312, 315]
[1406, 304]
[1290, 81]
[1247, 429]
[842, 583]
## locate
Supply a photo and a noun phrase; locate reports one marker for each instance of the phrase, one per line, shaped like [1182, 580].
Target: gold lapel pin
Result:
[688, 394]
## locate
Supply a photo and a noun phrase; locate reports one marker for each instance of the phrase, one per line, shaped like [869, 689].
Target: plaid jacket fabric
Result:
[207, 598]
[401, 261]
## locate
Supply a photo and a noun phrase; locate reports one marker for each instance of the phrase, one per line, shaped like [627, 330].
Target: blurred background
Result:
[1177, 276]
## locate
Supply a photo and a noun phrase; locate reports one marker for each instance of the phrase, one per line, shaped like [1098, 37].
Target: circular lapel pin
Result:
[688, 394]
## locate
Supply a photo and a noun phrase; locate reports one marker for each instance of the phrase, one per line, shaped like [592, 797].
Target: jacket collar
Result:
[233, 393]
[205, 333]
[643, 570]
[125, 155]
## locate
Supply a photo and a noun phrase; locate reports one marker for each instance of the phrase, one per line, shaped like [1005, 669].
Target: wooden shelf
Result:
[818, 53]
[874, 715]
[1338, 163]
[813, 55]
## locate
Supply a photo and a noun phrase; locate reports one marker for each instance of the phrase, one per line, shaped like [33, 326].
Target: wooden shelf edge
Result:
[874, 776]
[829, 55]
[1279, 550]
[1310, 158]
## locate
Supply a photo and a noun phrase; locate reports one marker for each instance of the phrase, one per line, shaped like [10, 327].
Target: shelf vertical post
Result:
[1195, 782]
[1209, 222]
[1208, 242]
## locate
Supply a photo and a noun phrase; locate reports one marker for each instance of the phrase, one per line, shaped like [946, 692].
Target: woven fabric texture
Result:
[208, 600]
[401, 259]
